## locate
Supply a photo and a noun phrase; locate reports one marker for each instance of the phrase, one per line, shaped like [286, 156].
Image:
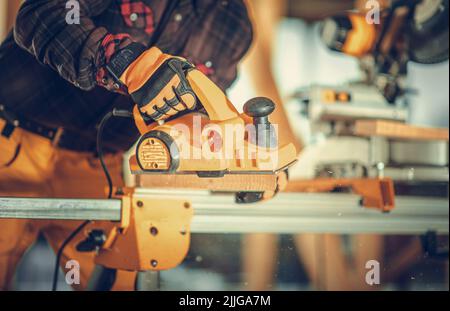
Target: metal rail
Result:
[60, 209]
[286, 214]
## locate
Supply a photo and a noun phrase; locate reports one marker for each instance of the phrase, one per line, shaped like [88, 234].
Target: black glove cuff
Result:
[160, 79]
[123, 58]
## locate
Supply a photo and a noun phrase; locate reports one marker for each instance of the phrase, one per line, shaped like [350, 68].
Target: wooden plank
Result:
[228, 183]
[397, 130]
[317, 9]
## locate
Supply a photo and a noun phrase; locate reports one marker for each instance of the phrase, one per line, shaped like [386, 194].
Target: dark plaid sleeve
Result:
[70, 49]
[108, 47]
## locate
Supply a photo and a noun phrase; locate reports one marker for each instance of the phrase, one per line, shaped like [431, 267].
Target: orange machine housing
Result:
[215, 143]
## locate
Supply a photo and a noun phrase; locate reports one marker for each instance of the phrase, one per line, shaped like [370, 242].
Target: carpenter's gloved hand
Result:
[157, 82]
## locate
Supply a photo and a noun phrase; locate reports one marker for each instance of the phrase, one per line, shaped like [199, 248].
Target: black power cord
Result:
[100, 128]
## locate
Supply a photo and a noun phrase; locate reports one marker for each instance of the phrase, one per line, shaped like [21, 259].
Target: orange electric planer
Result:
[213, 142]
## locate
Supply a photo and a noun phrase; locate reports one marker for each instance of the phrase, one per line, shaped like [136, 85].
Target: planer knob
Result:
[260, 108]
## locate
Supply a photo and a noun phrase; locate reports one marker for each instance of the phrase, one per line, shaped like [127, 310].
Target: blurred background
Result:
[299, 59]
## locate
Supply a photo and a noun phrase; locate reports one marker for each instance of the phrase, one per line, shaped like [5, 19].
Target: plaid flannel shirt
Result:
[54, 73]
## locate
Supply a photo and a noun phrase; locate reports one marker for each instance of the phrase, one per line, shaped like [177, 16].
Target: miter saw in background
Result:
[408, 30]
[360, 130]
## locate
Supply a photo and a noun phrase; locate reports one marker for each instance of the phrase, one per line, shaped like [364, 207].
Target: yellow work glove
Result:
[157, 82]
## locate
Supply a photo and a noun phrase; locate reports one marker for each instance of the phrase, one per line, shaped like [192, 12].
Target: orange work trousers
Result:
[30, 166]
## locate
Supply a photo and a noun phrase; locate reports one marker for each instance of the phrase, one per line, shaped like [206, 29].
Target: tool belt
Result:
[59, 137]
